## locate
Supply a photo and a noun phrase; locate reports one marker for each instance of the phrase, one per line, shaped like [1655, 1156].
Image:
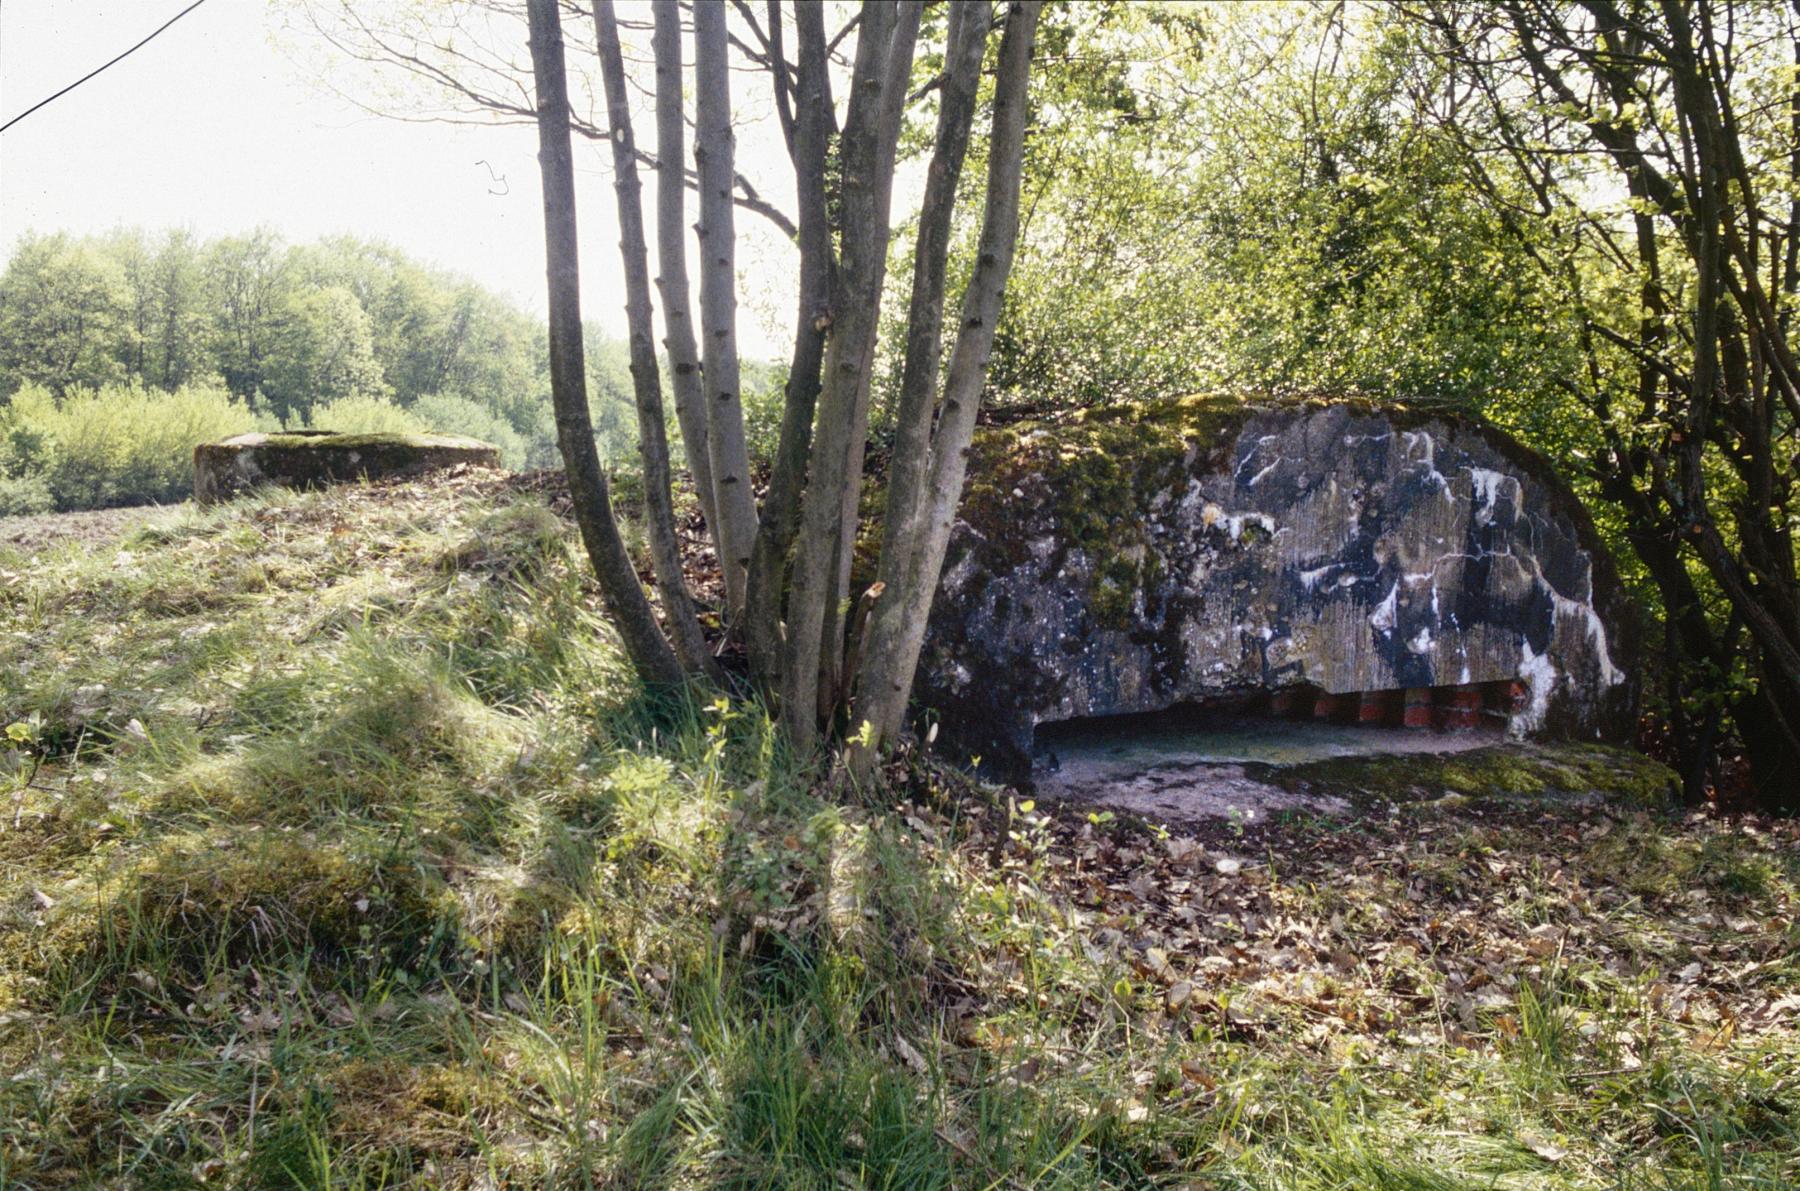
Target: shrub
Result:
[446, 413]
[362, 415]
[764, 398]
[114, 446]
[23, 495]
[536, 427]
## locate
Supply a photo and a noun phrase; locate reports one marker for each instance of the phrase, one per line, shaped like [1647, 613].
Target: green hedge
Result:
[115, 446]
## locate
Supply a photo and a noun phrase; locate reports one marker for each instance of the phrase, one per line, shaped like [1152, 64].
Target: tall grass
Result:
[341, 851]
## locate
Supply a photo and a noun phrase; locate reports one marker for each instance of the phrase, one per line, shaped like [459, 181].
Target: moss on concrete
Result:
[1090, 479]
[325, 440]
[1500, 771]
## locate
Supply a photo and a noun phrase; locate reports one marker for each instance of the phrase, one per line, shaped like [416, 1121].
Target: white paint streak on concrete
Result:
[1540, 674]
[1383, 618]
[1610, 674]
[1486, 486]
[1428, 459]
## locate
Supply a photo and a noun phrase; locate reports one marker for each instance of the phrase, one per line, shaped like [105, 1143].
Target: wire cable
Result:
[90, 74]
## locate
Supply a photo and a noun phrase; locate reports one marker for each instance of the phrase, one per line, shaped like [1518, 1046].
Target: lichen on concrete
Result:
[1131, 560]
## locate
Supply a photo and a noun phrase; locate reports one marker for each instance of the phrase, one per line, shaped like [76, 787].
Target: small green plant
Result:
[23, 737]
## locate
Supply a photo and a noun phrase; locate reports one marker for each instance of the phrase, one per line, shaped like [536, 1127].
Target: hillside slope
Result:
[339, 849]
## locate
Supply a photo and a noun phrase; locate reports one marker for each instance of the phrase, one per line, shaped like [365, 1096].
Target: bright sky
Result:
[224, 123]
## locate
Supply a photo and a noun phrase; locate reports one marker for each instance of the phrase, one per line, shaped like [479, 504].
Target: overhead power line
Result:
[90, 74]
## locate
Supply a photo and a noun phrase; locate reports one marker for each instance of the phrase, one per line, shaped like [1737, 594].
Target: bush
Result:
[445, 413]
[536, 426]
[115, 446]
[362, 415]
[23, 495]
[765, 399]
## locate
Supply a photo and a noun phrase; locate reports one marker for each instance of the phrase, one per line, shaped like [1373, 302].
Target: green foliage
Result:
[765, 397]
[118, 446]
[448, 414]
[26, 494]
[1249, 200]
[324, 351]
[342, 333]
[362, 415]
[62, 306]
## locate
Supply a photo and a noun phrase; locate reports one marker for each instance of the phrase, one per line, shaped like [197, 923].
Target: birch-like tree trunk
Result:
[816, 597]
[836, 649]
[671, 257]
[646, 381]
[786, 571]
[733, 497]
[625, 601]
[813, 122]
[908, 472]
[896, 629]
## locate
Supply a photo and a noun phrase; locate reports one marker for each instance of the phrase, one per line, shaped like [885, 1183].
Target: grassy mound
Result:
[339, 849]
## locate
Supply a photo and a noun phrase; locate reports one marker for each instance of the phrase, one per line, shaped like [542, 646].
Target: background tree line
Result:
[118, 353]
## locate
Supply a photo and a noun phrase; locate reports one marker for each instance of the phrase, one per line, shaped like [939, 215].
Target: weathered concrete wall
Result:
[313, 458]
[1208, 549]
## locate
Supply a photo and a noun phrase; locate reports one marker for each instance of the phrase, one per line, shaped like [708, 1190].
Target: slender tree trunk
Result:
[625, 601]
[813, 126]
[779, 81]
[897, 627]
[646, 383]
[733, 498]
[671, 257]
[834, 675]
[871, 128]
[911, 461]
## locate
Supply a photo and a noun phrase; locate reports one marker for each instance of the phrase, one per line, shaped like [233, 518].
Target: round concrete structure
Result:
[315, 458]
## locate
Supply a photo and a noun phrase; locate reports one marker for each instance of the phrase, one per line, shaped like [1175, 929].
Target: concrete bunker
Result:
[1347, 565]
